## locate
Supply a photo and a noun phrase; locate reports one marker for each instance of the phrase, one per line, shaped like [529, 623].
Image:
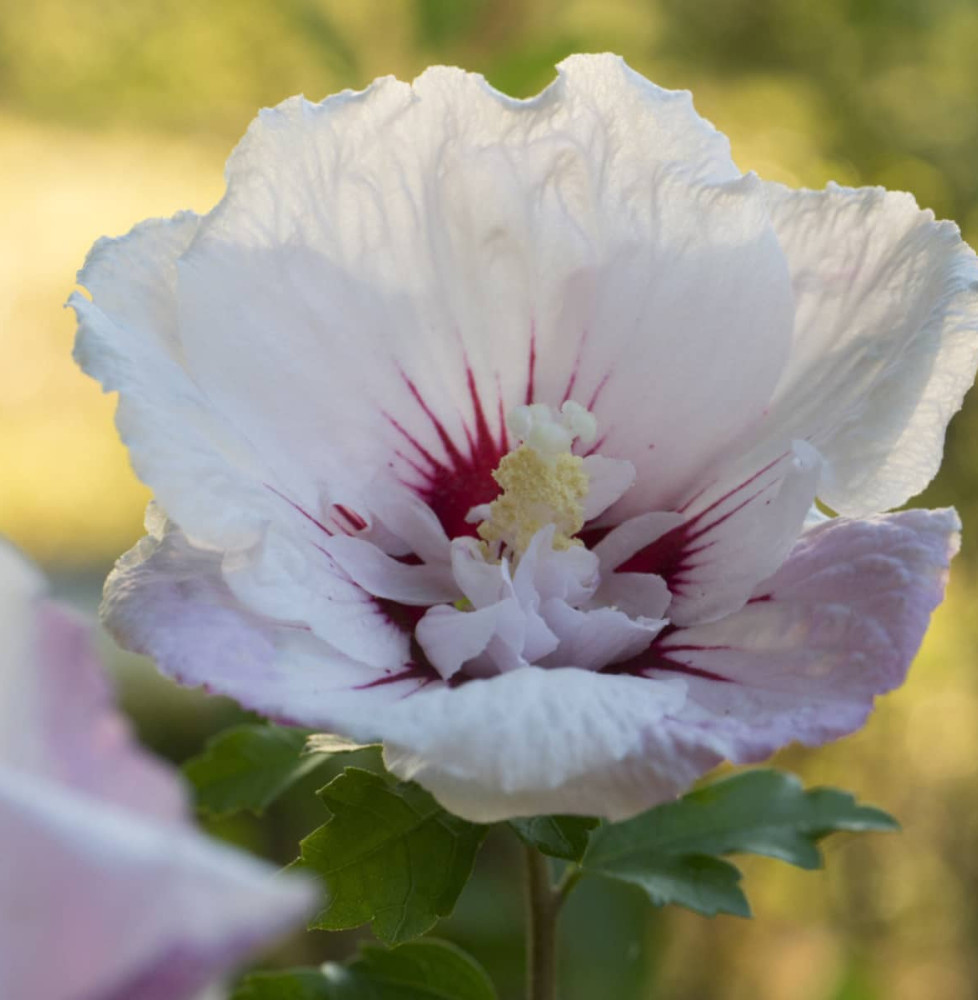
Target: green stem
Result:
[572, 875]
[544, 901]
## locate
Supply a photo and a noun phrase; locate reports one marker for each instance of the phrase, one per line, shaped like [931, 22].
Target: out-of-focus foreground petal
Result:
[109, 892]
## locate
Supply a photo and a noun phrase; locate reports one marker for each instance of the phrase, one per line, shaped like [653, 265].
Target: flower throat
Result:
[542, 482]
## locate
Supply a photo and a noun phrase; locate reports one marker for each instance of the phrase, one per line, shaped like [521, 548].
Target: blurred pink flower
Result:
[109, 893]
[663, 361]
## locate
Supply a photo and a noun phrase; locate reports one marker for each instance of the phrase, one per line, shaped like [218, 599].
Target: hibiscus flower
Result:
[99, 857]
[493, 430]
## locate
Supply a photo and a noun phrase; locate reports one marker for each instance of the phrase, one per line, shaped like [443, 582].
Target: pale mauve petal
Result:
[21, 586]
[56, 705]
[89, 744]
[99, 857]
[169, 600]
[837, 625]
[133, 907]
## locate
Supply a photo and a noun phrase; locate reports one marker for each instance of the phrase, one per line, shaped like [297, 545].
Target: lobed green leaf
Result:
[670, 851]
[421, 970]
[248, 767]
[564, 837]
[389, 855]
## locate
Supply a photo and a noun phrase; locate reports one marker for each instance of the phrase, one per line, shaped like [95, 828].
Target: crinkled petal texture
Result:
[837, 625]
[314, 380]
[99, 854]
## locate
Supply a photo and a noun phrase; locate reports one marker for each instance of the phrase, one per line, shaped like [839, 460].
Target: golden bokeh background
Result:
[115, 110]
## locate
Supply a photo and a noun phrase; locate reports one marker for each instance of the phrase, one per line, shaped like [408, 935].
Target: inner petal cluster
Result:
[530, 590]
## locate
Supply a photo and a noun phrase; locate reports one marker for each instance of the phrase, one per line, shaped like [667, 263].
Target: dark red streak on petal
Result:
[726, 496]
[483, 436]
[671, 555]
[659, 657]
[411, 672]
[452, 452]
[356, 522]
[453, 485]
[404, 616]
[531, 365]
[594, 448]
[344, 521]
[571, 382]
[300, 510]
[597, 392]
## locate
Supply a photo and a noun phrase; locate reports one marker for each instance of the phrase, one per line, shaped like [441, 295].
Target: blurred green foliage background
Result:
[114, 110]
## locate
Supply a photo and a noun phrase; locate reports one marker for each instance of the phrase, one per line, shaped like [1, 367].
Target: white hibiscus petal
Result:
[590, 640]
[641, 595]
[196, 462]
[734, 536]
[886, 339]
[544, 572]
[483, 583]
[507, 635]
[450, 638]
[409, 519]
[682, 335]
[536, 741]
[608, 480]
[292, 581]
[380, 575]
[631, 536]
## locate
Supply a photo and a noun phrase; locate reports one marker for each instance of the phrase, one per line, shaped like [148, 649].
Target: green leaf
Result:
[704, 884]
[292, 984]
[248, 767]
[421, 970]
[424, 970]
[563, 837]
[665, 850]
[389, 855]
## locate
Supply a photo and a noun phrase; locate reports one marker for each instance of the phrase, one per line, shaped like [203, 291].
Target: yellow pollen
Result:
[537, 490]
